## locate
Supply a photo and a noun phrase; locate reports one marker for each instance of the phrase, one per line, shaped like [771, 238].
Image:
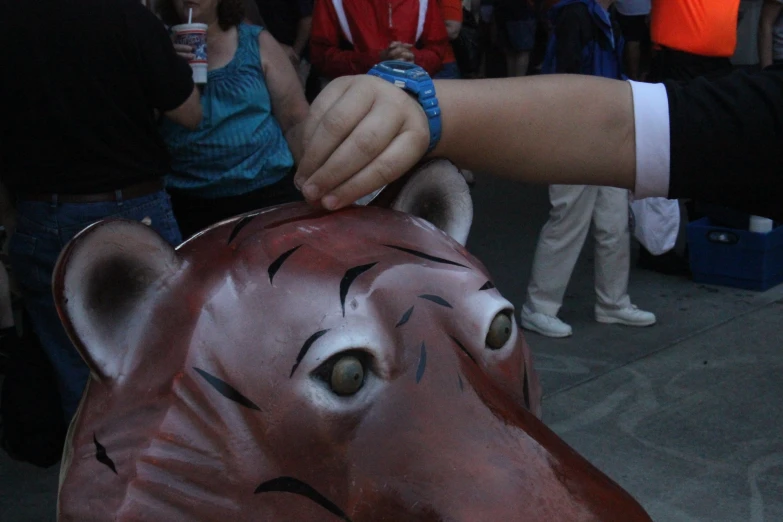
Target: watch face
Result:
[403, 66]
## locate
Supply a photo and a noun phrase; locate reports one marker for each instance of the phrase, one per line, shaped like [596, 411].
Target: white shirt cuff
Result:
[653, 147]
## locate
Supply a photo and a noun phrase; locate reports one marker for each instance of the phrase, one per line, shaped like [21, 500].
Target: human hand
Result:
[362, 133]
[401, 51]
[398, 51]
[185, 51]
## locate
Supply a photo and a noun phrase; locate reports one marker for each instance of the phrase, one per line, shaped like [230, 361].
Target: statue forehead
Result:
[295, 257]
[346, 236]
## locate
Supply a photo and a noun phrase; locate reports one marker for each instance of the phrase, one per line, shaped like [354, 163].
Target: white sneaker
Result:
[630, 316]
[543, 324]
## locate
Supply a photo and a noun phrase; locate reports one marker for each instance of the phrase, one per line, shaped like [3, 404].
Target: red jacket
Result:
[373, 25]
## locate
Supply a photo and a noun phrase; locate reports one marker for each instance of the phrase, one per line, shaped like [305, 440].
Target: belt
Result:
[130, 192]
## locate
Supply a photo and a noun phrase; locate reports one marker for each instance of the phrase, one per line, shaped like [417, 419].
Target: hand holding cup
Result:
[185, 51]
[191, 40]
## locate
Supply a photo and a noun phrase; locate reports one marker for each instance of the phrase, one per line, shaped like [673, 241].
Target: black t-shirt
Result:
[727, 141]
[80, 82]
[282, 16]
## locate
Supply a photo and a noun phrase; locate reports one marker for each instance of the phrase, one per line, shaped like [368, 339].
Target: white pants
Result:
[574, 208]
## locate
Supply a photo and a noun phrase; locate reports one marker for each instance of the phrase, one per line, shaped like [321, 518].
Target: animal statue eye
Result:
[347, 375]
[499, 331]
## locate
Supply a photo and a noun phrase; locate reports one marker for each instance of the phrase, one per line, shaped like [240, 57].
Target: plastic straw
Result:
[190, 16]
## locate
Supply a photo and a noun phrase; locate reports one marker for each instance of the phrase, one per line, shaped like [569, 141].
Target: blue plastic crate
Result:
[736, 258]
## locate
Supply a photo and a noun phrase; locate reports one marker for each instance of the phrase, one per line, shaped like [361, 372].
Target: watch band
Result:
[415, 80]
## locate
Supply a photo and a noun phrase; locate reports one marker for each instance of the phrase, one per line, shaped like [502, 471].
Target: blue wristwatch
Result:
[415, 80]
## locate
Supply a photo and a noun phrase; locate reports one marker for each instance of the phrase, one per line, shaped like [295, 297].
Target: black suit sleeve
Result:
[727, 141]
[166, 77]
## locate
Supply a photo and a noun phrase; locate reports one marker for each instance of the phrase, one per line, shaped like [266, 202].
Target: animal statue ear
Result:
[105, 286]
[435, 191]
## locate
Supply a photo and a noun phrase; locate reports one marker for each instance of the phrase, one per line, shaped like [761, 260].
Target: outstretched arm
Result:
[363, 132]
[289, 105]
[719, 141]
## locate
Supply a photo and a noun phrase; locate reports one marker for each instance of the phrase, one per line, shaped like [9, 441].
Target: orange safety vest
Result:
[703, 27]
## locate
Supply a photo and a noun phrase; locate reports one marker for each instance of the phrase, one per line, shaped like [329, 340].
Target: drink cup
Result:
[194, 35]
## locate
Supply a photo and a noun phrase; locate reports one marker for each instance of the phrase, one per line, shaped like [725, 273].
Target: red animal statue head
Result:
[299, 365]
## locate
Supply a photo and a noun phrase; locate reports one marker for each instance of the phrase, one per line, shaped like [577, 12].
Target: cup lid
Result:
[189, 27]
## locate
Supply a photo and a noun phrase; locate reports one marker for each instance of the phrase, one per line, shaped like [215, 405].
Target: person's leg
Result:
[520, 37]
[612, 261]
[8, 337]
[517, 63]
[612, 247]
[558, 248]
[632, 55]
[559, 245]
[33, 251]
[487, 35]
[633, 29]
[6, 311]
[539, 45]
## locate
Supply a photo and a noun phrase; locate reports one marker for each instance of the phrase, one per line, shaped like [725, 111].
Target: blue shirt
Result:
[583, 41]
[239, 146]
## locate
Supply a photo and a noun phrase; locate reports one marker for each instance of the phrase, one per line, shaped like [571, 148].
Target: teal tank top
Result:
[239, 146]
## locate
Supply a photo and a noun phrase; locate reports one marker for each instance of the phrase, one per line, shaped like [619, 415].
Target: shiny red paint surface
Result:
[438, 431]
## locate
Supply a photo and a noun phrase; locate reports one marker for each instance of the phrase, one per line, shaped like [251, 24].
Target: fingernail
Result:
[298, 183]
[329, 202]
[310, 191]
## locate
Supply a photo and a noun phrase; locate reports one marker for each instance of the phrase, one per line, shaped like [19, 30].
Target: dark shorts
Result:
[634, 28]
[517, 35]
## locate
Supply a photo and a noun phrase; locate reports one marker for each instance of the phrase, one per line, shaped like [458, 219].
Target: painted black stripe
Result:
[102, 456]
[306, 346]
[526, 391]
[422, 363]
[405, 317]
[487, 286]
[462, 347]
[242, 223]
[428, 257]
[226, 390]
[348, 279]
[275, 266]
[461, 386]
[436, 299]
[297, 487]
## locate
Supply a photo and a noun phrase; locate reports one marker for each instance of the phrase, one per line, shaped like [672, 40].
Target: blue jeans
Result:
[42, 230]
